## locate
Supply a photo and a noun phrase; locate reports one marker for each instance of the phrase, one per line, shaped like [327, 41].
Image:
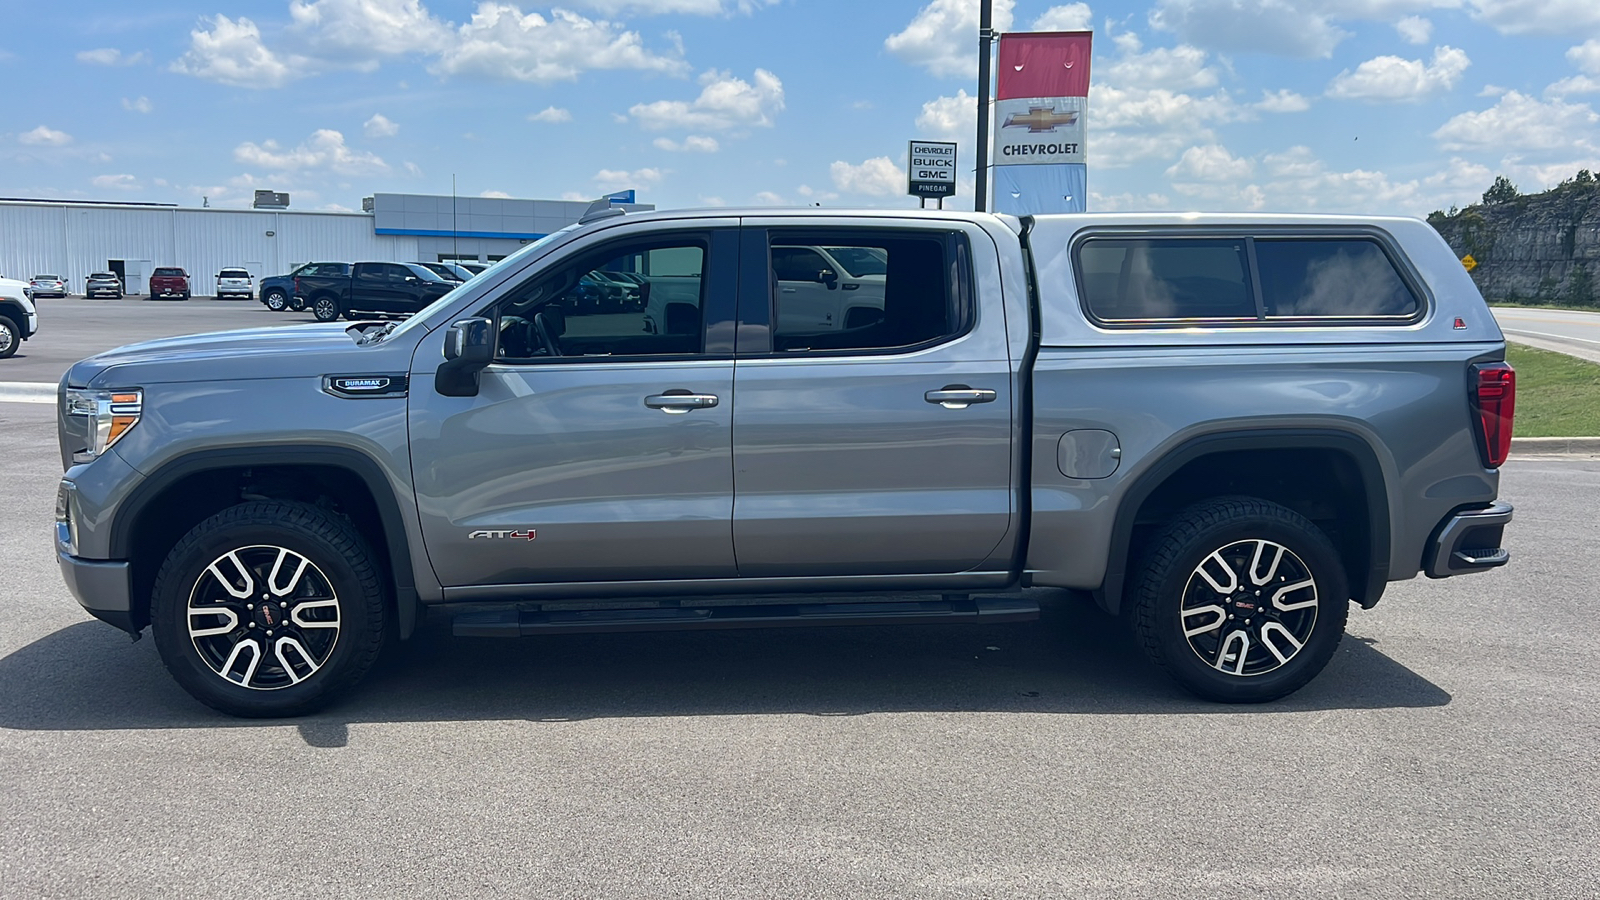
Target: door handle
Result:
[678, 402]
[959, 396]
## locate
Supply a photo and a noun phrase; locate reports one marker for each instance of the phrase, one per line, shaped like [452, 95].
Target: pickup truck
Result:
[169, 281]
[19, 318]
[1226, 429]
[383, 288]
[277, 291]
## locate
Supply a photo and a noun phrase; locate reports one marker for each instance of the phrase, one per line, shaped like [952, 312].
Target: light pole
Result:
[980, 195]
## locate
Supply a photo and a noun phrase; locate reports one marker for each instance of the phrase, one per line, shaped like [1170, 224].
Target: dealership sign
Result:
[932, 171]
[1039, 131]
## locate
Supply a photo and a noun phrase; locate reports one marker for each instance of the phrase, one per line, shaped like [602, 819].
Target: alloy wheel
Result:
[1249, 607]
[263, 617]
[8, 338]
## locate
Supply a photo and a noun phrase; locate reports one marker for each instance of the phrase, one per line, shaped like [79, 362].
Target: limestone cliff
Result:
[1531, 248]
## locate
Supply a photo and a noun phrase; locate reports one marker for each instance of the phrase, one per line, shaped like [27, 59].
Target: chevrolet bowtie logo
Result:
[1041, 118]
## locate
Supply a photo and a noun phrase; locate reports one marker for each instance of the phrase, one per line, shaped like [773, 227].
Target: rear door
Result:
[879, 449]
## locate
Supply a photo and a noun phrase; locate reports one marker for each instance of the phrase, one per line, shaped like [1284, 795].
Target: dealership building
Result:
[74, 238]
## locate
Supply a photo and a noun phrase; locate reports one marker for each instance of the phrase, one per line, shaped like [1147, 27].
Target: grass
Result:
[1557, 395]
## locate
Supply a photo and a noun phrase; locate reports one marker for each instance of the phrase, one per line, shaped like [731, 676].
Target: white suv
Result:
[234, 283]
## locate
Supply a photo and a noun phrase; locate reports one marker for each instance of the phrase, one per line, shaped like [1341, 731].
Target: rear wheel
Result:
[277, 301]
[326, 309]
[269, 608]
[1241, 600]
[10, 337]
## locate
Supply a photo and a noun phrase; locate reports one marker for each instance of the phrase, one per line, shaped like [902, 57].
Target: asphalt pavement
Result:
[1449, 750]
[1572, 332]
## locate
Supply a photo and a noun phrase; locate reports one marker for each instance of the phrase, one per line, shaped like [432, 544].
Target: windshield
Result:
[234, 273]
[166, 271]
[427, 311]
[47, 278]
[859, 261]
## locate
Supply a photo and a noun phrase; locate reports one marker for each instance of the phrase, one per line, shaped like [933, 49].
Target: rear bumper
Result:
[100, 586]
[1469, 541]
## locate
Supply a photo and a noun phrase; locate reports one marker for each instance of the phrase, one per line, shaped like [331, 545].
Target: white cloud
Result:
[504, 43]
[949, 118]
[694, 143]
[611, 180]
[1586, 56]
[45, 136]
[1282, 101]
[1395, 79]
[1212, 162]
[139, 104]
[1414, 29]
[325, 150]
[111, 56]
[116, 182]
[877, 177]
[943, 36]
[361, 31]
[1557, 17]
[496, 195]
[725, 102]
[683, 7]
[1119, 202]
[231, 52]
[1070, 17]
[1180, 68]
[768, 198]
[1576, 84]
[1519, 122]
[379, 126]
[1277, 27]
[552, 114]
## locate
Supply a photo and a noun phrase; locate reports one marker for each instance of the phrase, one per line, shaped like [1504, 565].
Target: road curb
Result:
[27, 392]
[1555, 446]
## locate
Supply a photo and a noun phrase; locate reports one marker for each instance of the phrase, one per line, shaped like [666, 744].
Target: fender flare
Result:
[1359, 451]
[279, 455]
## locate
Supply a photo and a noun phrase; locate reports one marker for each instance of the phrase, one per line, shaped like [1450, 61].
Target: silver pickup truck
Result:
[1225, 428]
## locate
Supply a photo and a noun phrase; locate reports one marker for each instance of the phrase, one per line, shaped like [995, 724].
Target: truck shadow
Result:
[1074, 661]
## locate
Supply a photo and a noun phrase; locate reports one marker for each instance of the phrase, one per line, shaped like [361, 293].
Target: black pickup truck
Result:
[383, 288]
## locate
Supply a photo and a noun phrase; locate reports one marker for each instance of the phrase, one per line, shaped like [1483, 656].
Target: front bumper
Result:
[1469, 541]
[30, 327]
[103, 587]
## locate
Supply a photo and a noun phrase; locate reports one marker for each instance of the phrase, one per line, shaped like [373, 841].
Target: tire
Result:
[185, 296]
[311, 646]
[1202, 574]
[10, 337]
[326, 309]
[276, 301]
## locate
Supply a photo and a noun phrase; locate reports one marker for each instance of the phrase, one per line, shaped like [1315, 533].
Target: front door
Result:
[879, 446]
[596, 450]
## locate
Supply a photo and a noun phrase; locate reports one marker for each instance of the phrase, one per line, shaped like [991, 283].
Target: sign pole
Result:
[980, 194]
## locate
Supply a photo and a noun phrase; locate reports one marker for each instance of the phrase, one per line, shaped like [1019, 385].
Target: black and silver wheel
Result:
[276, 300]
[1241, 600]
[269, 608]
[326, 309]
[10, 337]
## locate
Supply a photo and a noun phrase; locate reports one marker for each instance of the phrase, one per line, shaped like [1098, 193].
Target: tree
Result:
[1502, 191]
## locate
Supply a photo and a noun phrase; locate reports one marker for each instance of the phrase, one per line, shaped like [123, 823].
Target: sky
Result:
[1361, 106]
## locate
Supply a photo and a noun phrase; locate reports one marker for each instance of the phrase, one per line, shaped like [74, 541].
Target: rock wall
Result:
[1534, 248]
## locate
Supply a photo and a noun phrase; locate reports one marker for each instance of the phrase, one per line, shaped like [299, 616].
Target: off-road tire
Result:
[1212, 533]
[10, 337]
[325, 309]
[339, 561]
[276, 300]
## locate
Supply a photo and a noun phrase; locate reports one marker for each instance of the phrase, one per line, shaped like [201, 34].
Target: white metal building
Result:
[73, 239]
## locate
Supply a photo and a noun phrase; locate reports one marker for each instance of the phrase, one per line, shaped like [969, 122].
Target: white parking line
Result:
[27, 392]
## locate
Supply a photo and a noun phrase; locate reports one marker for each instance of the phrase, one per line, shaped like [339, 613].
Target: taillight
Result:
[1495, 401]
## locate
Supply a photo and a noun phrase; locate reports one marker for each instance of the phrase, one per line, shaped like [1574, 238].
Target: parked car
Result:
[474, 268]
[371, 287]
[234, 283]
[103, 284]
[169, 281]
[447, 271]
[48, 286]
[1225, 428]
[277, 291]
[19, 318]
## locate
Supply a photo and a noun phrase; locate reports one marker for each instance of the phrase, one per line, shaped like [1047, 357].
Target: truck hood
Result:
[287, 352]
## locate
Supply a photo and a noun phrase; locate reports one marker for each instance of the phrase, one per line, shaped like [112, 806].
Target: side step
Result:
[514, 623]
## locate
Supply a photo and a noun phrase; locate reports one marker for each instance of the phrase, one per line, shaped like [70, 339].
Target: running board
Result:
[514, 623]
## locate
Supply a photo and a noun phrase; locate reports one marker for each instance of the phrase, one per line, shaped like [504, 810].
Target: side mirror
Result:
[411, 279]
[468, 348]
[829, 278]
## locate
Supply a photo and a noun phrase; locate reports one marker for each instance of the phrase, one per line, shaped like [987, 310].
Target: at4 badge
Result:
[528, 535]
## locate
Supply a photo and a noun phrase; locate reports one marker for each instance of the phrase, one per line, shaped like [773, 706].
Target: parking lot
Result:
[1449, 750]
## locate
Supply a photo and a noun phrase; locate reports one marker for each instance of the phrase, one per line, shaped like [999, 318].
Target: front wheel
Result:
[326, 309]
[10, 337]
[1241, 600]
[276, 301]
[268, 608]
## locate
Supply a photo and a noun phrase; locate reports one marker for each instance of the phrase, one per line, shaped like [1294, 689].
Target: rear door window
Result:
[1166, 278]
[1322, 278]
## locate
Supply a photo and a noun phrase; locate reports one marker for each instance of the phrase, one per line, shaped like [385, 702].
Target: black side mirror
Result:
[468, 348]
[828, 277]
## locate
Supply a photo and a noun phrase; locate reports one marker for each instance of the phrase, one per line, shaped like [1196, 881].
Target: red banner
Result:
[1043, 64]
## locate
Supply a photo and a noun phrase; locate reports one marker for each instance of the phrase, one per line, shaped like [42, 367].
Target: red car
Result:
[169, 281]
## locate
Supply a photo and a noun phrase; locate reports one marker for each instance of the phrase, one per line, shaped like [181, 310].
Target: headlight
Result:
[110, 415]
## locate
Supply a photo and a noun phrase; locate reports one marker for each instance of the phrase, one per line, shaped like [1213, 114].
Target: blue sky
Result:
[1382, 106]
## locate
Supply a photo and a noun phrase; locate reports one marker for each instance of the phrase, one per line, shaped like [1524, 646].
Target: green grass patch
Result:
[1557, 395]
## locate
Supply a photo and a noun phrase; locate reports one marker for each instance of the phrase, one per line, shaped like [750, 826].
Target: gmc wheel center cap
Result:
[268, 615]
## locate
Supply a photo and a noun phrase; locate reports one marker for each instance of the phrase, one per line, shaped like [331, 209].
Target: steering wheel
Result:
[547, 339]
